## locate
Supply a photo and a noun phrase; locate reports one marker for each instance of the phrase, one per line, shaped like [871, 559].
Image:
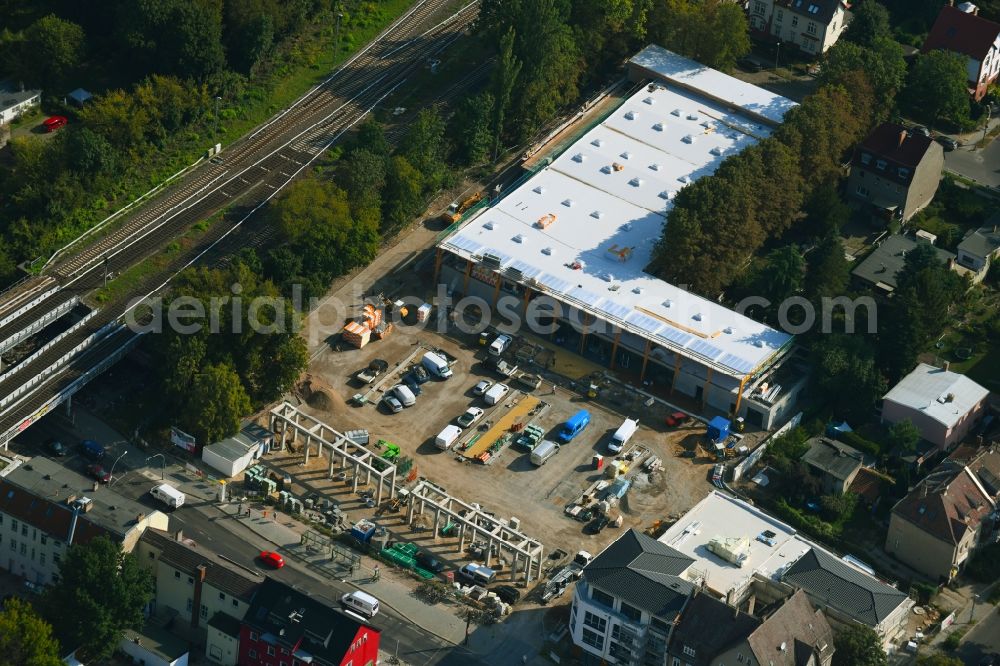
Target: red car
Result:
[98, 473]
[54, 123]
[272, 559]
[677, 418]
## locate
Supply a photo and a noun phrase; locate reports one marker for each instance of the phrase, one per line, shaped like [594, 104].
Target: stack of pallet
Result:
[357, 334]
[382, 330]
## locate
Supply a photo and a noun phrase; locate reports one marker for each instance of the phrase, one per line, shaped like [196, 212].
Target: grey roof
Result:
[831, 582]
[832, 457]
[885, 262]
[218, 573]
[819, 10]
[795, 623]
[643, 572]
[11, 95]
[158, 641]
[983, 241]
[36, 493]
[709, 627]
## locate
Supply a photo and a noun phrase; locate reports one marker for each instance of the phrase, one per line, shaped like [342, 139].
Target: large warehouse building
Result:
[582, 229]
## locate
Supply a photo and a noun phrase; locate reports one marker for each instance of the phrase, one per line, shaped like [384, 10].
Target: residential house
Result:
[745, 556]
[710, 633]
[199, 588]
[811, 25]
[45, 508]
[629, 597]
[943, 405]
[979, 248]
[961, 30]
[15, 101]
[836, 464]
[937, 527]
[880, 268]
[895, 172]
[286, 627]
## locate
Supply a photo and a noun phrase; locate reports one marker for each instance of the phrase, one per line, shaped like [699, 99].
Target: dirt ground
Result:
[510, 485]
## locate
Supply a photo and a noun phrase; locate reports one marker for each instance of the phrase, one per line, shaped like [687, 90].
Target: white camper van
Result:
[167, 494]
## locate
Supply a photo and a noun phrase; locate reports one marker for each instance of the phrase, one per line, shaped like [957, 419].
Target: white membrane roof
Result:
[610, 193]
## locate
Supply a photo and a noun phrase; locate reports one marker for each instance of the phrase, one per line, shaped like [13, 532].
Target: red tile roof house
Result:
[937, 527]
[961, 30]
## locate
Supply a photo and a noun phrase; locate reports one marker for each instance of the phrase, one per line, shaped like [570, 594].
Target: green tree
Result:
[90, 153]
[472, 129]
[858, 645]
[25, 638]
[53, 47]
[838, 508]
[216, 404]
[903, 435]
[403, 195]
[870, 23]
[825, 210]
[938, 659]
[782, 276]
[371, 137]
[363, 176]
[116, 116]
[423, 146]
[101, 592]
[505, 77]
[937, 88]
[828, 270]
[713, 32]
[881, 62]
[847, 374]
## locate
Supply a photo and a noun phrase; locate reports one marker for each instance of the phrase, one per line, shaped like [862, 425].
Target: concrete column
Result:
[437, 521]
[465, 278]
[645, 360]
[461, 537]
[496, 290]
[438, 256]
[704, 389]
[306, 449]
[614, 349]
[409, 510]
[354, 480]
[677, 371]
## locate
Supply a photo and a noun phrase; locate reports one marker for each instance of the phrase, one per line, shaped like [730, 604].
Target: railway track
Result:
[252, 170]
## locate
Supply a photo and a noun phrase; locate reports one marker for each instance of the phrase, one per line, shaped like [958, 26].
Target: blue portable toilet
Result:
[718, 429]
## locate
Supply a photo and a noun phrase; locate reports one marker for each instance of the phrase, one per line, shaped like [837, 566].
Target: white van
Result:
[496, 393]
[404, 395]
[169, 495]
[447, 437]
[622, 435]
[543, 452]
[436, 365]
[361, 603]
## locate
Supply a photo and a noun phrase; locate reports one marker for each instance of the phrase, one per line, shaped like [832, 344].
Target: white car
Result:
[496, 394]
[471, 415]
[482, 387]
[500, 344]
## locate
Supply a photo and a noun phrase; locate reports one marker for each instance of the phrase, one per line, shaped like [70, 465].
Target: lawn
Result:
[955, 211]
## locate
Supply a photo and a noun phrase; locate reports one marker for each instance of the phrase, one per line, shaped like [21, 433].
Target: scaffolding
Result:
[291, 422]
[499, 535]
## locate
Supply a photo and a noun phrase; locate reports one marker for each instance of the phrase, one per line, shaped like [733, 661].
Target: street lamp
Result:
[217, 100]
[111, 475]
[336, 39]
[163, 462]
[986, 127]
[777, 52]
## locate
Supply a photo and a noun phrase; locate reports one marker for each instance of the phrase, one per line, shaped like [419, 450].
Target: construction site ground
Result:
[510, 485]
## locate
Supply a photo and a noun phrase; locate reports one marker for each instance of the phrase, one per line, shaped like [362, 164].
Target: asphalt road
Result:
[984, 639]
[982, 166]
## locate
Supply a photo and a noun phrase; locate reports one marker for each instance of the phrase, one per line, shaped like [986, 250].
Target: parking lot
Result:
[508, 485]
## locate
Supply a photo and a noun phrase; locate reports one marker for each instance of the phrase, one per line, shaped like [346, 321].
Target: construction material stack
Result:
[358, 333]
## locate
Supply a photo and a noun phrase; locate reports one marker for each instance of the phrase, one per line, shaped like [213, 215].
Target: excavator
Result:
[457, 209]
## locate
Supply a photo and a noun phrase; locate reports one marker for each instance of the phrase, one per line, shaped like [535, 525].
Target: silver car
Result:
[392, 404]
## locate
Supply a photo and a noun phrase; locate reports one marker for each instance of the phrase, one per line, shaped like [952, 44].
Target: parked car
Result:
[54, 123]
[419, 374]
[272, 559]
[948, 142]
[920, 129]
[98, 473]
[391, 404]
[427, 561]
[677, 418]
[55, 447]
[748, 64]
[91, 450]
[482, 387]
[507, 593]
[496, 393]
[597, 525]
[717, 473]
[500, 344]
[471, 415]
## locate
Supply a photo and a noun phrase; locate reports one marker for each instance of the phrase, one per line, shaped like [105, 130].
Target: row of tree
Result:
[101, 592]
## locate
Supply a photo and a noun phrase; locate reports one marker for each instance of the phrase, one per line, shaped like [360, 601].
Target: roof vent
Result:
[539, 190]
[666, 194]
[489, 226]
[607, 168]
[631, 115]
[676, 112]
[697, 316]
[692, 116]
[658, 127]
[716, 151]
[728, 330]
[635, 182]
[519, 238]
[626, 155]
[626, 227]
[547, 251]
[578, 157]
[654, 166]
[636, 290]
[684, 179]
[667, 303]
[568, 203]
[607, 277]
[649, 100]
[597, 143]
[688, 139]
[597, 214]
[758, 343]
[706, 124]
